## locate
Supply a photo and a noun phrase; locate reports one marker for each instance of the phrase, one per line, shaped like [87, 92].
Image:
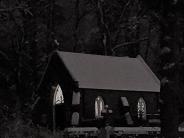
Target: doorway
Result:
[59, 116]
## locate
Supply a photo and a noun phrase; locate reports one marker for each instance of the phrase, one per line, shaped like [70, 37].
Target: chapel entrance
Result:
[59, 114]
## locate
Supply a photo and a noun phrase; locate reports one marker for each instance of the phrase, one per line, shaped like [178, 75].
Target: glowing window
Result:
[58, 95]
[141, 109]
[99, 106]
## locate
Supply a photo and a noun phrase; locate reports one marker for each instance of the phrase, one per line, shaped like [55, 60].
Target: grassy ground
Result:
[18, 129]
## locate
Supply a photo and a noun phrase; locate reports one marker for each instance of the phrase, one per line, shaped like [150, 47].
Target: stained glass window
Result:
[58, 95]
[141, 109]
[99, 106]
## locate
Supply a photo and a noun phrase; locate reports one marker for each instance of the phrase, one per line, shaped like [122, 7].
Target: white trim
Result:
[76, 98]
[124, 101]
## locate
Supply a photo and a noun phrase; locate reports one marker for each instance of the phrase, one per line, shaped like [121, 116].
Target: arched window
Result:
[75, 119]
[141, 109]
[58, 96]
[99, 106]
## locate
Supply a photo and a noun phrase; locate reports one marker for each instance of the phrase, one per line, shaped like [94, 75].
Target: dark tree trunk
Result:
[169, 92]
[50, 27]
[169, 111]
[77, 20]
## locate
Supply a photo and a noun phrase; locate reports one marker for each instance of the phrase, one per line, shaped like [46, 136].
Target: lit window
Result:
[99, 106]
[141, 109]
[58, 95]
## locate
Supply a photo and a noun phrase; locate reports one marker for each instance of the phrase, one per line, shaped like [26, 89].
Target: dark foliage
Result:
[31, 29]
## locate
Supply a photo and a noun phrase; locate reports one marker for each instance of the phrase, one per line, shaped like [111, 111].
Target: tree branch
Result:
[120, 18]
[128, 43]
[11, 9]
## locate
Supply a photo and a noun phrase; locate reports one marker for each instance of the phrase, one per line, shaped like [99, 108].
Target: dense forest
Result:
[30, 30]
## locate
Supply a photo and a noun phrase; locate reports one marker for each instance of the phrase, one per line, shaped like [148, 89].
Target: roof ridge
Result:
[60, 52]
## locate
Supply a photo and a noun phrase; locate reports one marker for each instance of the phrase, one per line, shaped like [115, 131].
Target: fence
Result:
[115, 132]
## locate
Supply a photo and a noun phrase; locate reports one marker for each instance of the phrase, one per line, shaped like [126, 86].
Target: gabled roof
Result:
[107, 72]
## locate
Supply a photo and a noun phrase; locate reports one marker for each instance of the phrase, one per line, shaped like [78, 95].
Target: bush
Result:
[19, 129]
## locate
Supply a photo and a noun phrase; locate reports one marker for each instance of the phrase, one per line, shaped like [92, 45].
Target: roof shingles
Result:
[107, 72]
